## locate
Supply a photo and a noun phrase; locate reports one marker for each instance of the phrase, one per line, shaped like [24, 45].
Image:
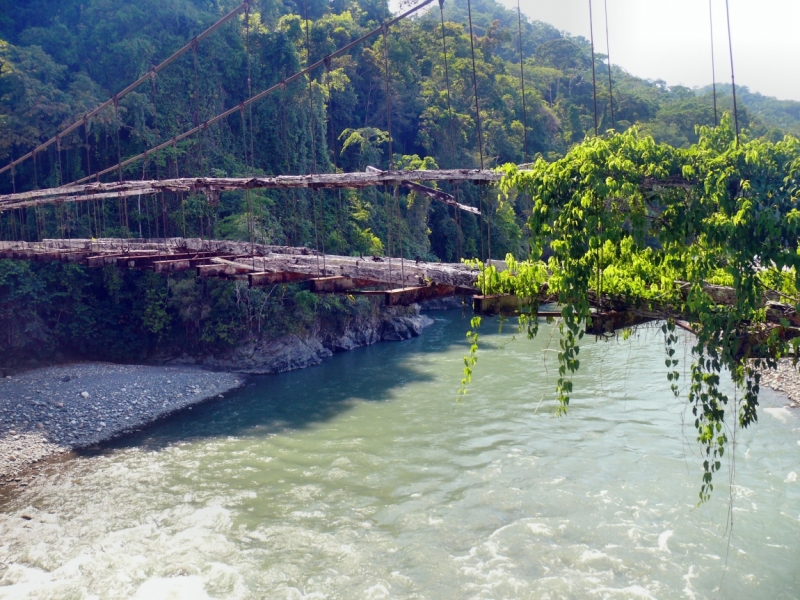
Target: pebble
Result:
[123, 398]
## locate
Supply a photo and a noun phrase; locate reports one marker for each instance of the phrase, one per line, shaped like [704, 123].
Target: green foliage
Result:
[650, 225]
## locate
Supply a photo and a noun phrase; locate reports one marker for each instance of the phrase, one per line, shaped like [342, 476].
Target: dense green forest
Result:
[58, 59]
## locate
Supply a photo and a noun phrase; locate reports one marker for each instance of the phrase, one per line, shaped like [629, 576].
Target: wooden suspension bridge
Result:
[397, 280]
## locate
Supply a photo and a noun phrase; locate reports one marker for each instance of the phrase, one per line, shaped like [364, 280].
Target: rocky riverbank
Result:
[54, 410]
[57, 409]
[785, 379]
[260, 356]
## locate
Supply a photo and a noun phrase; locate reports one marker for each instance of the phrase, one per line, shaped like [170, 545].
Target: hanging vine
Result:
[707, 235]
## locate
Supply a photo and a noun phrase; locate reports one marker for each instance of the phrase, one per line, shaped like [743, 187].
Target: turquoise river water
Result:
[362, 478]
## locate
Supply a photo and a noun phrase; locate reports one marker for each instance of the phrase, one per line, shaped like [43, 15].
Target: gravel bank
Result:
[57, 409]
[785, 378]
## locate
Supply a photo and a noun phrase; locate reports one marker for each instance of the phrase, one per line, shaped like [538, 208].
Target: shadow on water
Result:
[300, 399]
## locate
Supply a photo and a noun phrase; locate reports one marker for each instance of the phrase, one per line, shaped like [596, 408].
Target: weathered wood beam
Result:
[182, 264]
[222, 270]
[408, 296]
[120, 189]
[271, 278]
[391, 272]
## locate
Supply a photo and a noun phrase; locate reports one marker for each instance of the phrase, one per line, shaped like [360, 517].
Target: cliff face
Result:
[260, 356]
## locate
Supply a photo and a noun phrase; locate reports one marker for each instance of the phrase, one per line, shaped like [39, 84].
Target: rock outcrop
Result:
[260, 356]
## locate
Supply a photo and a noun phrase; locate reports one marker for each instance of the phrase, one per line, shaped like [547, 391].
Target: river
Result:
[363, 478]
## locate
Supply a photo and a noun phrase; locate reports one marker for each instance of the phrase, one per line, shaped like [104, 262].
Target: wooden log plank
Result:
[339, 284]
[270, 278]
[147, 261]
[408, 296]
[185, 264]
[222, 270]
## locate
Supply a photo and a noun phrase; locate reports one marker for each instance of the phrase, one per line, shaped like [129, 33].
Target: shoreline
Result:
[783, 380]
[51, 411]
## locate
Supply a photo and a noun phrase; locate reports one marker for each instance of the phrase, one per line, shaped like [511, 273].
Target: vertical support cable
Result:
[119, 153]
[594, 74]
[447, 83]
[388, 96]
[62, 212]
[285, 136]
[713, 65]
[196, 115]
[36, 210]
[313, 135]
[86, 144]
[522, 82]
[58, 150]
[247, 199]
[475, 82]
[608, 58]
[397, 216]
[250, 115]
[450, 128]
[733, 78]
[478, 121]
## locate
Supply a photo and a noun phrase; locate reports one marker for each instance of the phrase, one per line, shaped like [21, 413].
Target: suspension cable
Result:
[263, 94]
[522, 82]
[131, 87]
[594, 74]
[608, 59]
[733, 78]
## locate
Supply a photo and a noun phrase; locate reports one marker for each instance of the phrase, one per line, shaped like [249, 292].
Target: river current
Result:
[363, 478]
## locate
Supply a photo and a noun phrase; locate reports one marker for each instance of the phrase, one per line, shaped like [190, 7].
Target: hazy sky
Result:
[669, 39]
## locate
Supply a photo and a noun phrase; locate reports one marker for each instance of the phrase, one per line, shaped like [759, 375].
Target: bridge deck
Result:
[260, 265]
